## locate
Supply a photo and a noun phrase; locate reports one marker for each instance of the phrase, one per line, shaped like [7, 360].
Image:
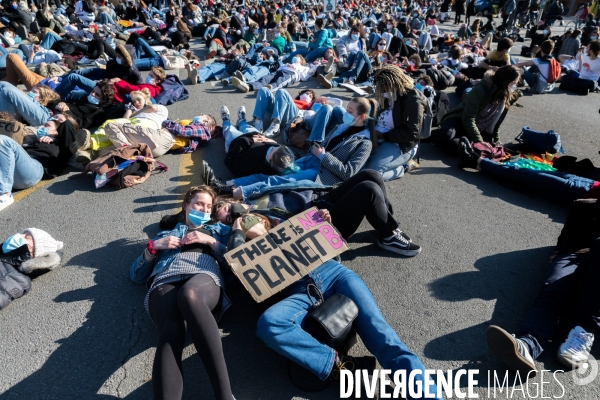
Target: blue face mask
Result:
[13, 243]
[348, 119]
[14, 6]
[42, 131]
[198, 217]
[354, 36]
[294, 60]
[316, 106]
[31, 94]
[418, 86]
[150, 80]
[119, 61]
[93, 100]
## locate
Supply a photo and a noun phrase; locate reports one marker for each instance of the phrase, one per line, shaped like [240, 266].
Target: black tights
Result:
[172, 306]
[363, 195]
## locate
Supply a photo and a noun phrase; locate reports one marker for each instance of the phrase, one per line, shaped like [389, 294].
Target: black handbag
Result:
[331, 321]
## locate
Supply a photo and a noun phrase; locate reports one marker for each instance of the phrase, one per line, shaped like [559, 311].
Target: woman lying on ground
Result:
[186, 292]
[21, 168]
[362, 196]
[280, 326]
[342, 155]
[33, 106]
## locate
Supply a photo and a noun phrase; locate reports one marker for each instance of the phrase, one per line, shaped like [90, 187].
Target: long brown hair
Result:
[502, 79]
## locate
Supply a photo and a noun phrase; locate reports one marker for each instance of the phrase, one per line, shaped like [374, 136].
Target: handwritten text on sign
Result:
[271, 262]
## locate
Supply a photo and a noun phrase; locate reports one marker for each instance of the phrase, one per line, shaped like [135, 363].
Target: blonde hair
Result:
[46, 94]
[390, 79]
[143, 94]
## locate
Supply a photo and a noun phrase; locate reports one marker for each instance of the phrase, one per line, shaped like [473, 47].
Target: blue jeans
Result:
[146, 56]
[16, 102]
[209, 71]
[562, 187]
[255, 185]
[106, 19]
[92, 73]
[308, 54]
[323, 121]
[389, 160]
[569, 293]
[359, 71]
[280, 327]
[254, 73]
[210, 31]
[17, 169]
[279, 105]
[4, 53]
[49, 39]
[231, 132]
[66, 88]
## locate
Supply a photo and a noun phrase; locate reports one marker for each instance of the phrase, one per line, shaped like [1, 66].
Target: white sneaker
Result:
[574, 352]
[6, 200]
[239, 85]
[273, 130]
[241, 115]
[224, 113]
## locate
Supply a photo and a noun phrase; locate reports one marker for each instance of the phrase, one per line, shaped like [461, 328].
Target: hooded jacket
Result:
[472, 105]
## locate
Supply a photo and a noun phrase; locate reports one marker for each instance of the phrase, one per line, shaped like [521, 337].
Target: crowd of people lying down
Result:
[73, 94]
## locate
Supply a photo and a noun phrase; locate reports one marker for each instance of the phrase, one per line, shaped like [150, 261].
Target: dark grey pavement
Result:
[82, 332]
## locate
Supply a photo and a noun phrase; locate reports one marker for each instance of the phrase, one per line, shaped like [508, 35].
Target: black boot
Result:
[209, 178]
[466, 159]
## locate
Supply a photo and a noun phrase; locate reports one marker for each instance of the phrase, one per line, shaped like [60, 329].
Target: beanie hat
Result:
[43, 243]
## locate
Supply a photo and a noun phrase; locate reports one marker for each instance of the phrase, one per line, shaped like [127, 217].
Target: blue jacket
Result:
[140, 271]
[322, 38]
[172, 90]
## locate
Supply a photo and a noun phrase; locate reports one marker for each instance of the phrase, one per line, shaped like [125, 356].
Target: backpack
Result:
[173, 91]
[555, 71]
[440, 106]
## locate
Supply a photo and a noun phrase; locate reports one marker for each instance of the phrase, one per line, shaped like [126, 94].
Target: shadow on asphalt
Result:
[117, 329]
[513, 280]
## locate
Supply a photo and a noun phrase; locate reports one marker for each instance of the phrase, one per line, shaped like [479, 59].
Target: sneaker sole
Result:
[504, 347]
[239, 85]
[324, 82]
[568, 363]
[408, 253]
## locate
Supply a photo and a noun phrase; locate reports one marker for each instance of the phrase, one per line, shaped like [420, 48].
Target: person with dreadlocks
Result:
[399, 121]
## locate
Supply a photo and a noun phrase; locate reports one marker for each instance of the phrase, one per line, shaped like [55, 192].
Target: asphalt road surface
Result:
[82, 332]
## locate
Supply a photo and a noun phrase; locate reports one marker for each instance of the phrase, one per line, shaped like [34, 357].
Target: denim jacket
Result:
[141, 270]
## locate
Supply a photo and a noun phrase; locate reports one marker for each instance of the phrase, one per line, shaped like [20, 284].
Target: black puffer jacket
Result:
[13, 284]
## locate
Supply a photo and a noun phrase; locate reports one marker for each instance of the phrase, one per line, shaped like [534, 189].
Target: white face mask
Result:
[305, 97]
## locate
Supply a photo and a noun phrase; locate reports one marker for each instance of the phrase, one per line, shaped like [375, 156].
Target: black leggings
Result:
[363, 195]
[172, 307]
[446, 136]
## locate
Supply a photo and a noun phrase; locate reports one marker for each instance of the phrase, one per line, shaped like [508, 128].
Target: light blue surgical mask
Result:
[13, 243]
[42, 131]
[119, 61]
[198, 217]
[150, 80]
[294, 60]
[348, 119]
[354, 36]
[418, 86]
[93, 100]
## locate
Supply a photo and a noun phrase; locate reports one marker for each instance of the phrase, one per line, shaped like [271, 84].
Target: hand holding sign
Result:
[280, 257]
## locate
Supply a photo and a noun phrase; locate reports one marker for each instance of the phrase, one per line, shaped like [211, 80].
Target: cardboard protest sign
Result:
[271, 262]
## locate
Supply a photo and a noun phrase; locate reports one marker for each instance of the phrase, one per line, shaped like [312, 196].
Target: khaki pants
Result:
[16, 71]
[159, 140]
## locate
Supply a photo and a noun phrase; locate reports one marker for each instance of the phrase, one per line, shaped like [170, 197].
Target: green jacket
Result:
[472, 105]
[279, 44]
[250, 37]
